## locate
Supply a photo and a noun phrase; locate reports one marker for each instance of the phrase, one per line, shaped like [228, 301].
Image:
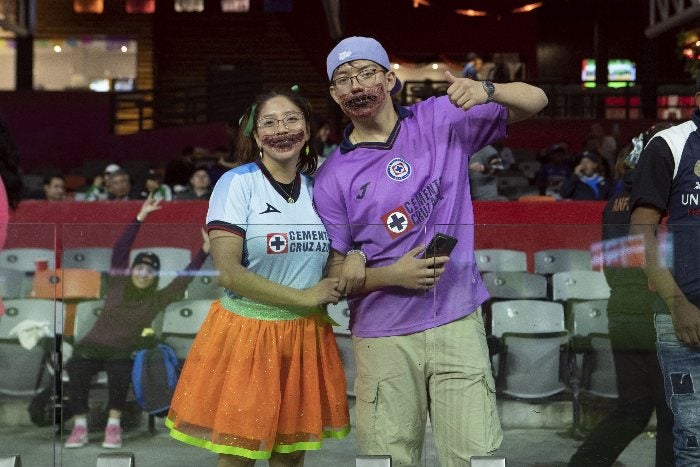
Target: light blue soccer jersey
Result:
[284, 242]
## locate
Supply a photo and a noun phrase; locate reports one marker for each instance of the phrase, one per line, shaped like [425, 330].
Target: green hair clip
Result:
[248, 130]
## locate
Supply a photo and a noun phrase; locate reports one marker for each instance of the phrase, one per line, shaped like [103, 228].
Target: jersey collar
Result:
[346, 146]
[276, 185]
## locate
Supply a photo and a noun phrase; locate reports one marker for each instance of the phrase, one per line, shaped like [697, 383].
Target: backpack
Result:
[154, 377]
[41, 407]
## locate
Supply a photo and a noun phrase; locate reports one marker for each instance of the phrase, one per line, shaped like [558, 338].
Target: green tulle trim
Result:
[235, 451]
[255, 310]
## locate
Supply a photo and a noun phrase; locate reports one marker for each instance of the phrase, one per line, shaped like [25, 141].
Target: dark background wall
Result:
[277, 50]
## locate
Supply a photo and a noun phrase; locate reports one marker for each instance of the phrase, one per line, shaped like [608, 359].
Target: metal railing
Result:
[138, 111]
[576, 101]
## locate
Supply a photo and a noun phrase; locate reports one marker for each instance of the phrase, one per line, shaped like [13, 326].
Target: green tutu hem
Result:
[262, 455]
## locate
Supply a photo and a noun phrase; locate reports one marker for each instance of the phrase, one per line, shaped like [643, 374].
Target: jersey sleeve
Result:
[653, 176]
[330, 207]
[474, 128]
[228, 204]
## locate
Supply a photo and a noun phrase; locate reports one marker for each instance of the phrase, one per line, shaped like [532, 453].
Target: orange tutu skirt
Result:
[250, 386]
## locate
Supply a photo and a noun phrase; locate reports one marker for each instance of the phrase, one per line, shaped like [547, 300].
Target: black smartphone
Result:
[440, 245]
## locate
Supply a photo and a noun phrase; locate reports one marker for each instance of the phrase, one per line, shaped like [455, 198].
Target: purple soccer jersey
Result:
[388, 198]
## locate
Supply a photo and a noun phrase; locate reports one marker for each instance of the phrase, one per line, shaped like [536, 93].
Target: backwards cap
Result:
[359, 48]
[149, 259]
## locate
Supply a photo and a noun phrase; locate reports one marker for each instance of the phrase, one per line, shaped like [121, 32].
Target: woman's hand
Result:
[324, 292]
[418, 273]
[206, 241]
[148, 207]
[352, 274]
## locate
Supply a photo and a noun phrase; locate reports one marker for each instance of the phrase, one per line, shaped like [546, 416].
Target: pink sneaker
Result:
[113, 437]
[78, 437]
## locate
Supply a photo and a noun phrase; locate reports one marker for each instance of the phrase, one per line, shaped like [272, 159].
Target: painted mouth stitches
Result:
[361, 101]
[284, 142]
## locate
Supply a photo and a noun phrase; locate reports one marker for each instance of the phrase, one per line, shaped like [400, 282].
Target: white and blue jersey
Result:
[283, 242]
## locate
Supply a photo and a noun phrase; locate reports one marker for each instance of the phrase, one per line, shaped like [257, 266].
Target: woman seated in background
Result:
[132, 301]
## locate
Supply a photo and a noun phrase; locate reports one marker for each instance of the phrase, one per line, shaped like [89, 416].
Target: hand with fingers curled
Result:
[352, 274]
[686, 322]
[419, 273]
[326, 291]
[465, 93]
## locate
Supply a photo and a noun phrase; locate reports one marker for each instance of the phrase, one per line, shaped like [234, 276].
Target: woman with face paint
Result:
[264, 379]
[132, 300]
[399, 177]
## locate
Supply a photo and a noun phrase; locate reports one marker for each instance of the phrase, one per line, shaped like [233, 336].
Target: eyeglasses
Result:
[291, 121]
[364, 78]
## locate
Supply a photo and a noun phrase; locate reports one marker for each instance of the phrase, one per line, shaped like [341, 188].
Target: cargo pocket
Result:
[493, 434]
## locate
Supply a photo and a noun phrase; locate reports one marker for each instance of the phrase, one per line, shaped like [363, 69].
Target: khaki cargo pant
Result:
[444, 372]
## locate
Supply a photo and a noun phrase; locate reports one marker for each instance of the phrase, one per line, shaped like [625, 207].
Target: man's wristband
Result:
[358, 252]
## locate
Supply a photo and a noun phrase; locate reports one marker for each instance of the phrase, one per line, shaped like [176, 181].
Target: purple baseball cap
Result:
[359, 48]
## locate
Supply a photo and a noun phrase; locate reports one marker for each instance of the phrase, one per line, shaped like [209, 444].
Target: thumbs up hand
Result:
[464, 92]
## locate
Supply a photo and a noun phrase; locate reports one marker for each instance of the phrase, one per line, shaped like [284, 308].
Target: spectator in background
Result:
[54, 188]
[603, 144]
[119, 187]
[132, 301]
[155, 187]
[506, 153]
[483, 167]
[178, 171]
[320, 141]
[97, 191]
[555, 168]
[472, 67]
[226, 159]
[198, 187]
[587, 182]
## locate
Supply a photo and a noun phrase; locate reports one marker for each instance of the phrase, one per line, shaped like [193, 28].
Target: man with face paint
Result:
[400, 176]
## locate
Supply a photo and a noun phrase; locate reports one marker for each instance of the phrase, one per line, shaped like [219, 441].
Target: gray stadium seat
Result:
[20, 367]
[488, 260]
[534, 341]
[181, 321]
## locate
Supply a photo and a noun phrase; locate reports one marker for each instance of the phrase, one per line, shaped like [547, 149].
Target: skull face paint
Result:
[364, 103]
